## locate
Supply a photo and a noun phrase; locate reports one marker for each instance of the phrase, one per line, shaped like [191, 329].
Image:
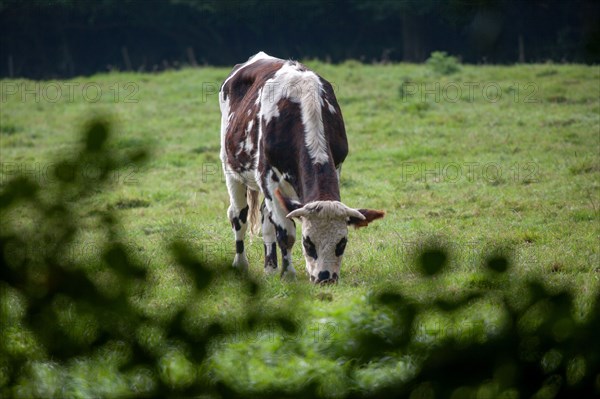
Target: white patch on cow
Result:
[314, 132]
[247, 145]
[283, 184]
[261, 55]
[258, 96]
[225, 117]
[330, 107]
[302, 87]
[268, 104]
[249, 127]
[249, 178]
[259, 140]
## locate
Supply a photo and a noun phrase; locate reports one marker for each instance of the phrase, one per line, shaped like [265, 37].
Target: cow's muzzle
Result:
[324, 277]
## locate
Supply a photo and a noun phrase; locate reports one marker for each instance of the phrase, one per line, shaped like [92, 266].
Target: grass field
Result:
[488, 157]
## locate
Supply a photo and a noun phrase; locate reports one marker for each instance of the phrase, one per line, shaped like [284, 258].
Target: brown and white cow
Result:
[282, 134]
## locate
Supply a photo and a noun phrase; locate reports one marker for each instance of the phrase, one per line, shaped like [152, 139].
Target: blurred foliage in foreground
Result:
[59, 314]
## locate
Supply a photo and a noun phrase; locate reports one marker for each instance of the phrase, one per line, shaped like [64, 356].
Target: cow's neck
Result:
[318, 182]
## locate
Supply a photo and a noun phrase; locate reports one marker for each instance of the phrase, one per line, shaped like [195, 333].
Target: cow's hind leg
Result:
[238, 216]
[270, 240]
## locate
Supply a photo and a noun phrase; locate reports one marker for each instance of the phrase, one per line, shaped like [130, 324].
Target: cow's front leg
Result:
[270, 240]
[285, 231]
[238, 216]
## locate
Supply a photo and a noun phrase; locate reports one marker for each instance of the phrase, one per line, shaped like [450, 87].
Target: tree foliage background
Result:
[64, 38]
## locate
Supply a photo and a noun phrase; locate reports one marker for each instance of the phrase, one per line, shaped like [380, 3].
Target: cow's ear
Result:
[368, 216]
[287, 203]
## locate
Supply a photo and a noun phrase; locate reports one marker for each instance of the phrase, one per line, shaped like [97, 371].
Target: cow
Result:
[282, 135]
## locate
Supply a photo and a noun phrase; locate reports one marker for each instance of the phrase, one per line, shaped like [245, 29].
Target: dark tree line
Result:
[62, 38]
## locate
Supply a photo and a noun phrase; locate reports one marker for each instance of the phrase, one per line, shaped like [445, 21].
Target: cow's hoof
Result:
[270, 270]
[240, 263]
[289, 274]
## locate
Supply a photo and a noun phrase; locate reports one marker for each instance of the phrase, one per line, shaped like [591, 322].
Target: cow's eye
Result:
[340, 247]
[309, 247]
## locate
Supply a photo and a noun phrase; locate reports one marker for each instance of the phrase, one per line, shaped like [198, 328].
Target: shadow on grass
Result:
[56, 314]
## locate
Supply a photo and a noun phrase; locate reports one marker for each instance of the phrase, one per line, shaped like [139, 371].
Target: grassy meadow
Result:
[486, 158]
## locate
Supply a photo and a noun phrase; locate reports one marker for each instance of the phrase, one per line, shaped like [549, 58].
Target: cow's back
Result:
[279, 114]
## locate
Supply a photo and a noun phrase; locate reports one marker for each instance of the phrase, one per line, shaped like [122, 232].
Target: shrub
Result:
[443, 64]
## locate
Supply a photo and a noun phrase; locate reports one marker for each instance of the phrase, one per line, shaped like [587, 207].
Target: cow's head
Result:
[325, 233]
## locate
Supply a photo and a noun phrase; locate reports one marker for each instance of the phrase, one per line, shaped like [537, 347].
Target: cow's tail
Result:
[253, 212]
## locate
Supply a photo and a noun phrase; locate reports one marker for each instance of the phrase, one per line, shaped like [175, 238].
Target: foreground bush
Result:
[73, 330]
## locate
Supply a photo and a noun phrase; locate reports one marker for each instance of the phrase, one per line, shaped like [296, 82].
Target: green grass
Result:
[474, 170]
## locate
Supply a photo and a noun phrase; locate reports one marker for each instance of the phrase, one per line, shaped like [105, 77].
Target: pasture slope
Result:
[490, 157]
